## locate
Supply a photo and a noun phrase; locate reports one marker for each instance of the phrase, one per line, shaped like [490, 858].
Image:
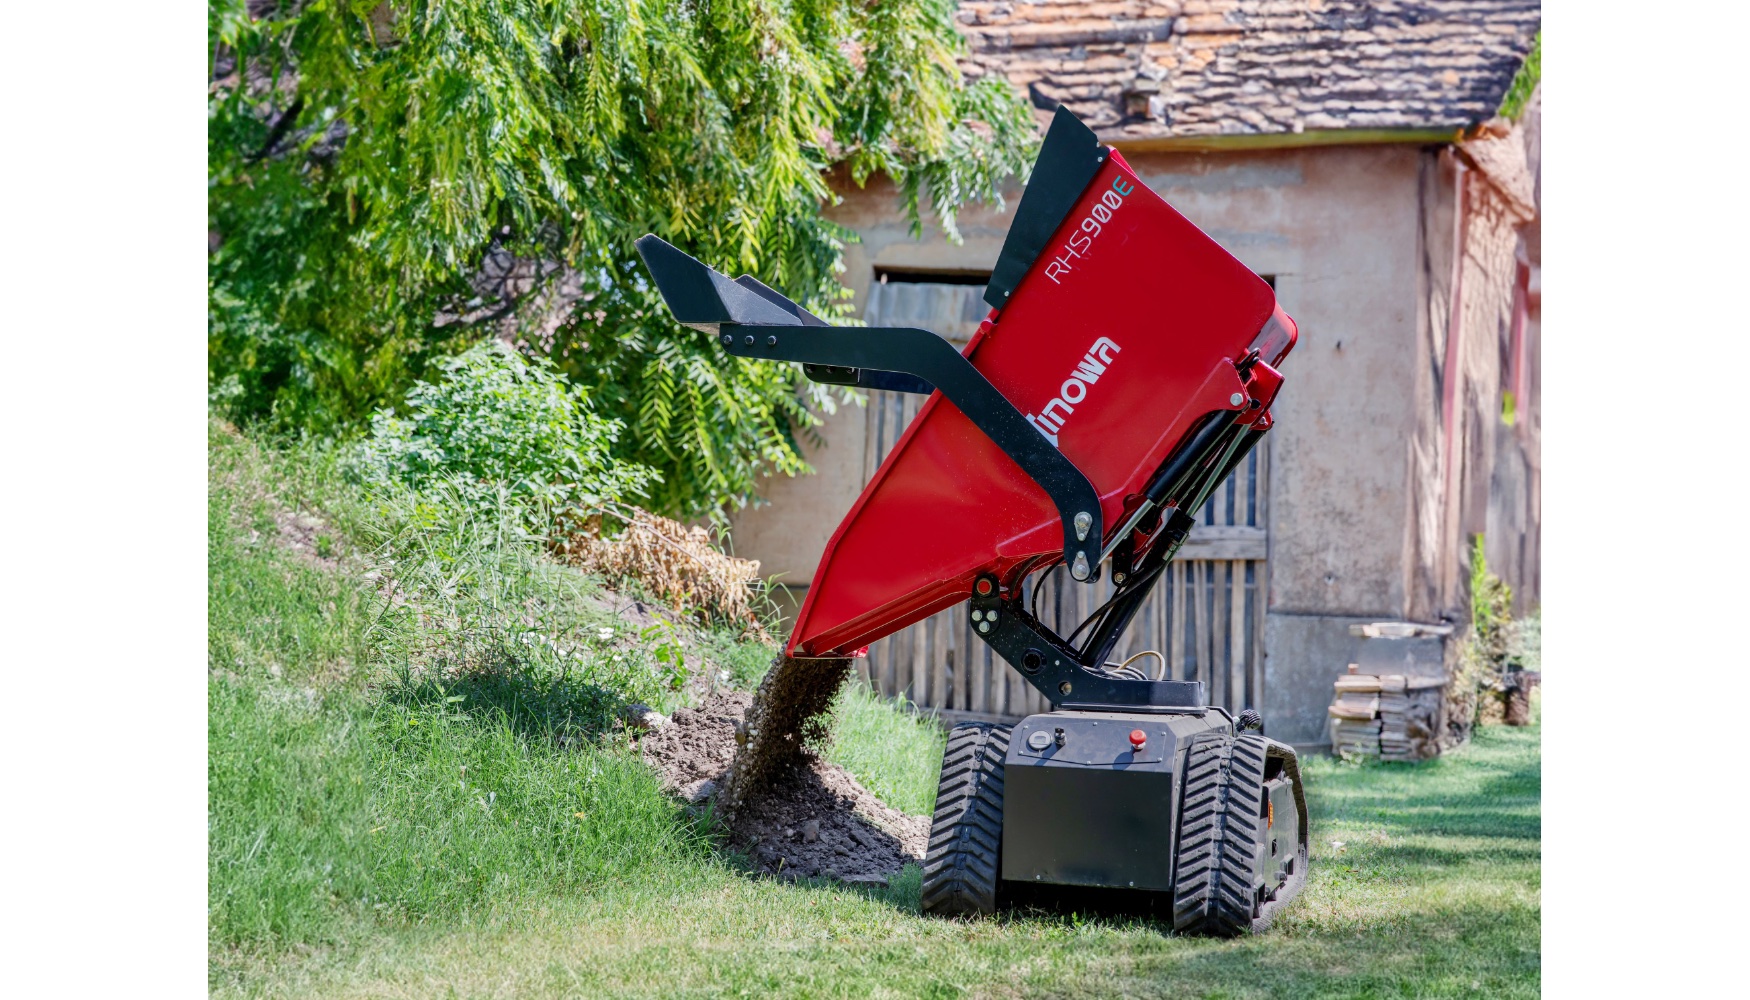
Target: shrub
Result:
[1498, 647]
[498, 419]
[1491, 607]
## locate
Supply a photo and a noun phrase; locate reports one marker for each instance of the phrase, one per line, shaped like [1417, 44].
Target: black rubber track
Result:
[966, 832]
[1220, 821]
[1289, 889]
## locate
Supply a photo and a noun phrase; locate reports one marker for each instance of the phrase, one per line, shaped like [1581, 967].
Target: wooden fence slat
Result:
[1176, 657]
[896, 666]
[920, 664]
[1018, 687]
[1259, 570]
[993, 682]
[1218, 617]
[1005, 682]
[1251, 463]
[1237, 636]
[939, 661]
[1205, 647]
[980, 692]
[1243, 498]
[959, 649]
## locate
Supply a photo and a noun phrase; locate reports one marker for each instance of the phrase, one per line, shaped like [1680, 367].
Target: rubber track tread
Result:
[1220, 833]
[966, 831]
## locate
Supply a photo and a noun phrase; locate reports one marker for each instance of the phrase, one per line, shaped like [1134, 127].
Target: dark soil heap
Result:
[803, 817]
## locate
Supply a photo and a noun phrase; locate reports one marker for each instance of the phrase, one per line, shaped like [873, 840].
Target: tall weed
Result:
[472, 590]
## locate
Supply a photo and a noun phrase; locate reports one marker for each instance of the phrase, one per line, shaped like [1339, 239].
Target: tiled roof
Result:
[1178, 70]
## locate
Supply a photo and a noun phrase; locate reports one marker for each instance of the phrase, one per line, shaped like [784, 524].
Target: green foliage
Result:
[365, 171]
[496, 420]
[664, 642]
[1491, 607]
[1525, 81]
[1525, 641]
[1497, 644]
[479, 596]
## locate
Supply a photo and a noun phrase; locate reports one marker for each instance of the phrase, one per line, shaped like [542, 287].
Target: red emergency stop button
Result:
[1138, 739]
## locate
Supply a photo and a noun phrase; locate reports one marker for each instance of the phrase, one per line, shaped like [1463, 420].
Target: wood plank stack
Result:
[1409, 712]
[1354, 712]
[1389, 716]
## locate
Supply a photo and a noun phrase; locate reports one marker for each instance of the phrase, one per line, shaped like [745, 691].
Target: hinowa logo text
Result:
[1050, 420]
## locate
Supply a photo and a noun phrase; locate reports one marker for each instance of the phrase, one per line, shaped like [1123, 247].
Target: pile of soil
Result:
[807, 818]
[693, 749]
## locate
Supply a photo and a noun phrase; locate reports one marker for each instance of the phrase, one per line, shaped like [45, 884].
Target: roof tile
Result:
[1232, 67]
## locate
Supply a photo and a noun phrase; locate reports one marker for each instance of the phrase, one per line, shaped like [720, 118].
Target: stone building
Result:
[1352, 153]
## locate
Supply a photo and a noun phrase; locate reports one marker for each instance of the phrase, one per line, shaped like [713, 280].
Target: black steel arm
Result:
[1049, 664]
[1071, 677]
[753, 321]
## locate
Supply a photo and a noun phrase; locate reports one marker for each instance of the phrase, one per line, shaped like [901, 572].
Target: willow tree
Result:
[390, 182]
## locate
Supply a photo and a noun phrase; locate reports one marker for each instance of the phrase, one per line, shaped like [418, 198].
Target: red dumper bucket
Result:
[1125, 367]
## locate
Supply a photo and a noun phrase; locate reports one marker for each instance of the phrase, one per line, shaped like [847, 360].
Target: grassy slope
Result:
[370, 839]
[895, 753]
[350, 786]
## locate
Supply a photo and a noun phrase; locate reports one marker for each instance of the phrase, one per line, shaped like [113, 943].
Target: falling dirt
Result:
[805, 817]
[789, 713]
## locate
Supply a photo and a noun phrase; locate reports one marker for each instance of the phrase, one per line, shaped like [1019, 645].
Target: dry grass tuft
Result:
[676, 564]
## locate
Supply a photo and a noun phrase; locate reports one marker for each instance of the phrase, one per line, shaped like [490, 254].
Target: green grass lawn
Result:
[1434, 892]
[379, 831]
